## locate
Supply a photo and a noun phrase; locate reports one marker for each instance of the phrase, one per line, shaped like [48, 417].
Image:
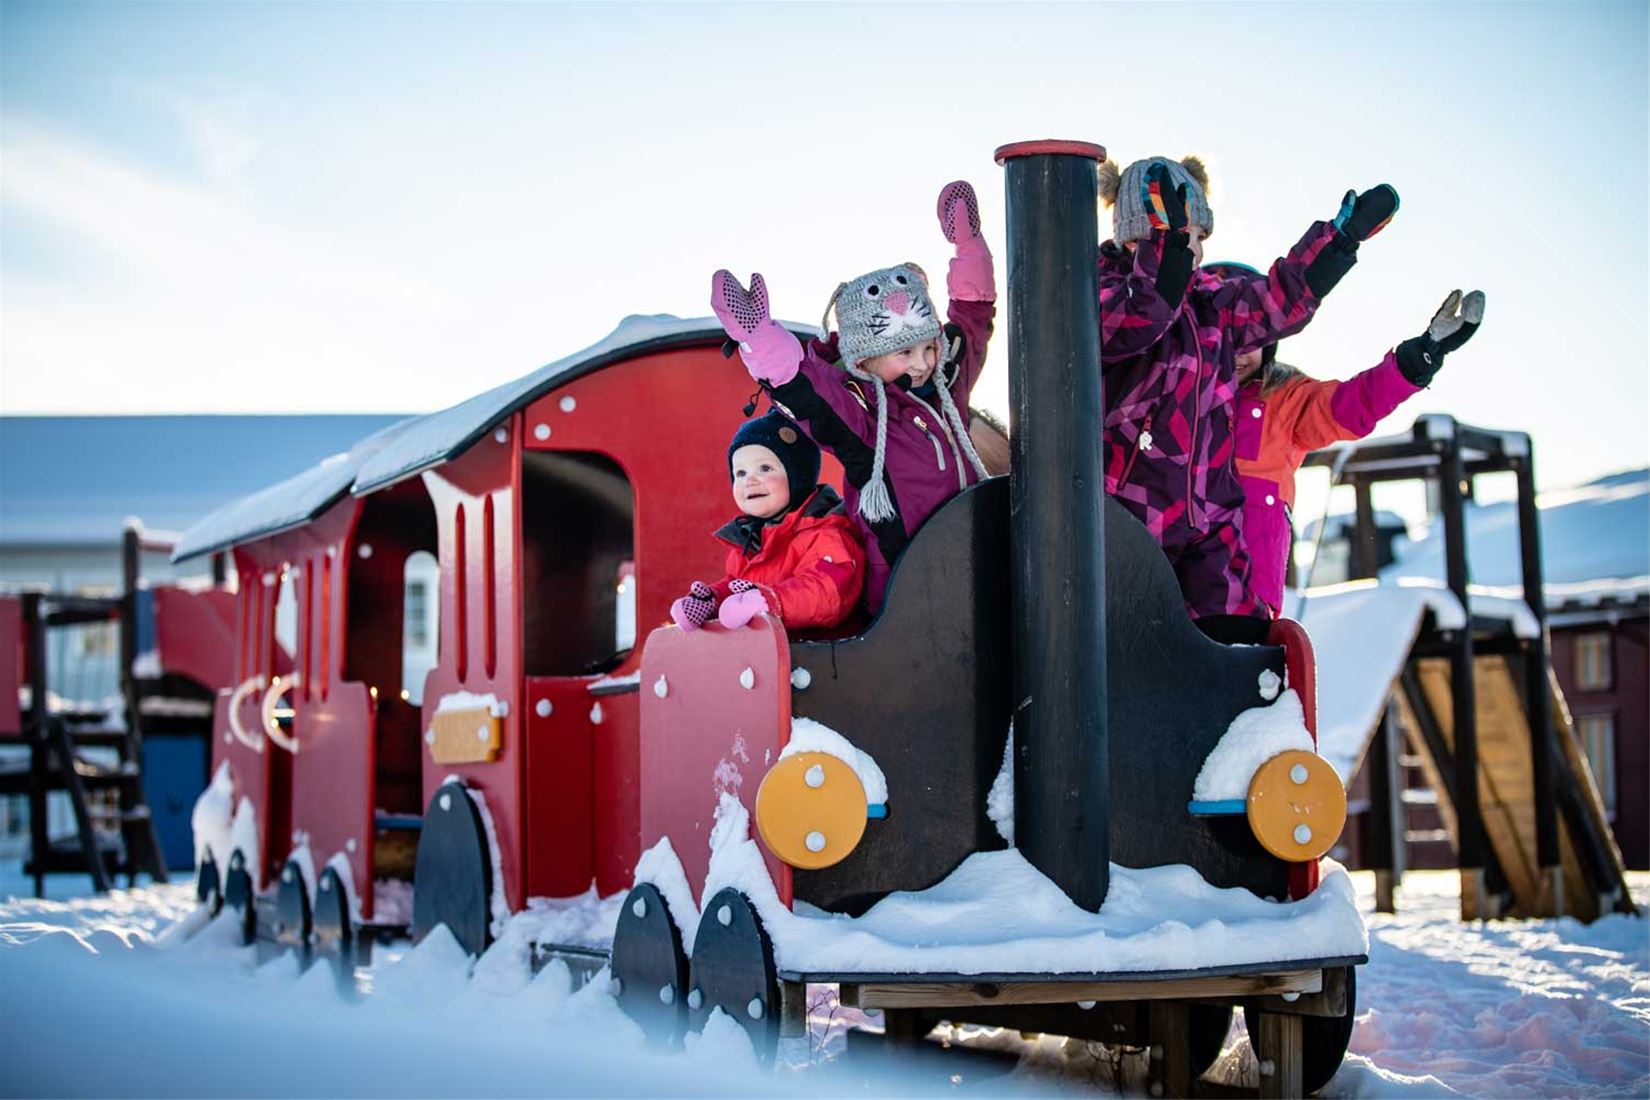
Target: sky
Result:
[390, 207]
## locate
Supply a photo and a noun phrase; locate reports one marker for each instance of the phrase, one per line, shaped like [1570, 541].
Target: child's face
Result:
[760, 485]
[916, 362]
[1248, 362]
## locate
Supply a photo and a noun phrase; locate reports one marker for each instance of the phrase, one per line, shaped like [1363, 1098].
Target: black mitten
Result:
[1166, 209]
[1453, 325]
[1360, 218]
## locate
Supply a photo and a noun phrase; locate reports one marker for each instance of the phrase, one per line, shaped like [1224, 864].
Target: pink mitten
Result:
[770, 351]
[971, 277]
[694, 610]
[746, 603]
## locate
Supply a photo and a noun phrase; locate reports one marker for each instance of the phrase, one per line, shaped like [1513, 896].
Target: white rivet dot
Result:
[1270, 499]
[747, 679]
[827, 557]
[1255, 412]
[801, 678]
[616, 987]
[724, 916]
[695, 998]
[1086, 1005]
[660, 688]
[1291, 998]
[1297, 774]
[482, 733]
[667, 995]
[1302, 834]
[226, 737]
[755, 1009]
[596, 715]
[349, 845]
[286, 875]
[814, 776]
[639, 907]
[364, 551]
[501, 435]
[446, 802]
[542, 708]
[567, 404]
[541, 431]
[815, 841]
[326, 886]
[429, 737]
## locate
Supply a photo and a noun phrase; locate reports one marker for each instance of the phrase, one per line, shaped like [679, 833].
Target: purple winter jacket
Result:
[922, 465]
[1171, 386]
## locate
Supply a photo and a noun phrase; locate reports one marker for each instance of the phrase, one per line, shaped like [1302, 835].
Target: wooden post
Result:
[1543, 738]
[1384, 849]
[1475, 903]
[1278, 1050]
[1169, 1057]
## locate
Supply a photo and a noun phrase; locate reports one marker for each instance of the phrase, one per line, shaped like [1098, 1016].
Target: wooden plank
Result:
[953, 994]
[1569, 742]
[468, 736]
[1169, 1063]
[1278, 1050]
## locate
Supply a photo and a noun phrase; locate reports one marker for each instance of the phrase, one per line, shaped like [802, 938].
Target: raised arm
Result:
[970, 283]
[1137, 306]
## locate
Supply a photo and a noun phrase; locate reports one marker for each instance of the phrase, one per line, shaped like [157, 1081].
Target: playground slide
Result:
[1363, 633]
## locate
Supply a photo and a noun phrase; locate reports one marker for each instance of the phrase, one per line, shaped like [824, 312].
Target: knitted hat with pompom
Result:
[1126, 193]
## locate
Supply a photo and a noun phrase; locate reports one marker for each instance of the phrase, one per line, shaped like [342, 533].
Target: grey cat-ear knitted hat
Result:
[882, 311]
[1125, 192]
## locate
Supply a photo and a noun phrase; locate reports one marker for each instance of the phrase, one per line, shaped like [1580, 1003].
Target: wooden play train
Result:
[559, 736]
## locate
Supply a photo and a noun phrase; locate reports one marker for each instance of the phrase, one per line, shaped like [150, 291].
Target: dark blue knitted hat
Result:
[781, 435]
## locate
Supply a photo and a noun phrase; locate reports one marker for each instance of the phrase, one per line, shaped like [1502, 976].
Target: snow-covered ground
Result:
[106, 996]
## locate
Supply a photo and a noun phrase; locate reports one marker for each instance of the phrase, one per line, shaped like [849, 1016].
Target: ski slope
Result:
[104, 996]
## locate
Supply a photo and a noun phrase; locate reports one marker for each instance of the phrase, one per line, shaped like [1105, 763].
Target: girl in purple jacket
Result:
[887, 393]
[1169, 335]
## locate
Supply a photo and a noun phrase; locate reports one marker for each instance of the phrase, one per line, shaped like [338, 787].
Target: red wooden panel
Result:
[489, 469]
[559, 811]
[332, 781]
[195, 634]
[11, 665]
[709, 733]
[1301, 665]
[616, 772]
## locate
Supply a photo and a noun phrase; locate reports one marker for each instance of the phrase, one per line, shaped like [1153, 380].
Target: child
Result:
[1283, 415]
[1168, 338]
[793, 552]
[894, 410]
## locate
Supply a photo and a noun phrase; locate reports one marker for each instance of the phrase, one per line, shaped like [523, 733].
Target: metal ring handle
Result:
[236, 698]
[278, 687]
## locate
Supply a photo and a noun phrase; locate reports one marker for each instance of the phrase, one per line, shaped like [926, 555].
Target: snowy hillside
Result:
[108, 996]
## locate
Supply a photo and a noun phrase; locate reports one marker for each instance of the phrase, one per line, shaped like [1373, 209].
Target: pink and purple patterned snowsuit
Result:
[1171, 389]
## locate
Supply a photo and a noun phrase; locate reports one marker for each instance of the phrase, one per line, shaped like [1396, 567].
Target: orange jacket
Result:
[810, 566]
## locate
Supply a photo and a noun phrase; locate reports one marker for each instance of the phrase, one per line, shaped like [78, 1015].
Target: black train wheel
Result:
[238, 895]
[209, 884]
[1324, 1039]
[333, 927]
[292, 911]
[1209, 1026]
[733, 970]
[453, 880]
[649, 967]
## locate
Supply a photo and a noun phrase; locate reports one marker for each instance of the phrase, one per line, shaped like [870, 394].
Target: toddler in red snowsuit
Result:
[793, 551]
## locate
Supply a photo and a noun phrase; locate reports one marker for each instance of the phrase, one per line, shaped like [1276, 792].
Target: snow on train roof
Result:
[285, 504]
[420, 442]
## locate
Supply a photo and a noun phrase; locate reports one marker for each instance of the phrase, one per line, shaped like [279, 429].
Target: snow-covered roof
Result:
[286, 504]
[1595, 541]
[420, 442]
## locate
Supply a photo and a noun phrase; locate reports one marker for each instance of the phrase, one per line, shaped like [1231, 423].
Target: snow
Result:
[584, 920]
[999, 800]
[808, 735]
[167, 1003]
[212, 816]
[499, 905]
[607, 683]
[146, 665]
[1254, 737]
[996, 913]
[392, 901]
[660, 867]
[305, 860]
[465, 700]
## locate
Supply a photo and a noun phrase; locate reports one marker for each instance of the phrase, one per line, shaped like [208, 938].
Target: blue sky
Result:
[335, 207]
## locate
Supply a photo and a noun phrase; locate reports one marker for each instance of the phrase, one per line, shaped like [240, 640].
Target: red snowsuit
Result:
[809, 566]
[1171, 390]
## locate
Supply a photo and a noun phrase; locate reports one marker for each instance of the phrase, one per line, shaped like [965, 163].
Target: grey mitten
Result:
[1453, 325]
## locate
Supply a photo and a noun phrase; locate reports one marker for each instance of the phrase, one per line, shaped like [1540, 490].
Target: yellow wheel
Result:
[810, 810]
[1297, 806]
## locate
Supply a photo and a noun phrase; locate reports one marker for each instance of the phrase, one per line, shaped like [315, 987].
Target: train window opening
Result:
[578, 553]
[391, 641]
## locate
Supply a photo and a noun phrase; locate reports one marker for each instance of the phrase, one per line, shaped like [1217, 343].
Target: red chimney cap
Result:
[1050, 145]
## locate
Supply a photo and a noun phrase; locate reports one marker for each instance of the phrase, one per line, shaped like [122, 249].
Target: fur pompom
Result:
[1194, 168]
[1111, 179]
